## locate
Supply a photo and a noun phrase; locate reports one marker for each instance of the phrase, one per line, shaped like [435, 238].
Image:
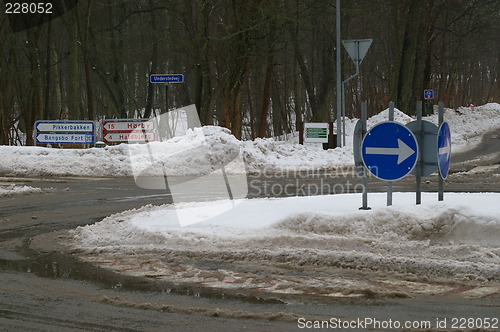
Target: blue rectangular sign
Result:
[64, 138]
[166, 78]
[428, 94]
[65, 126]
[65, 132]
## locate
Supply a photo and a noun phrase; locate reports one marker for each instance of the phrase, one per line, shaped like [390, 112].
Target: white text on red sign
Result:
[124, 126]
[129, 137]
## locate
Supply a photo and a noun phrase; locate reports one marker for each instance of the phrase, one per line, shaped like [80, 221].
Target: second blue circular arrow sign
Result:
[444, 149]
[389, 151]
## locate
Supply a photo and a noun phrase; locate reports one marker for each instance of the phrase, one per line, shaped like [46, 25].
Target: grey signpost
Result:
[356, 49]
[418, 171]
[389, 183]
[359, 133]
[364, 178]
[166, 78]
[339, 77]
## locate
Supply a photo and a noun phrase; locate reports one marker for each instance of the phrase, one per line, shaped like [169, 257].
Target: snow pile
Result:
[384, 116]
[11, 190]
[38, 161]
[468, 124]
[456, 239]
[268, 155]
[211, 149]
[200, 151]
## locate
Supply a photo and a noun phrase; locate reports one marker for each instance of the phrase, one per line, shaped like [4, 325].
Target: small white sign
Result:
[315, 132]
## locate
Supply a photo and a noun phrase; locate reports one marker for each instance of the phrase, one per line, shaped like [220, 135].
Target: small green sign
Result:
[315, 132]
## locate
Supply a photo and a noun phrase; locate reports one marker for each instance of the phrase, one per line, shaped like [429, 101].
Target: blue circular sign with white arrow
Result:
[444, 149]
[389, 151]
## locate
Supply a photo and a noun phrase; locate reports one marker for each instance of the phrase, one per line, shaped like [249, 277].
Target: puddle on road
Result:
[62, 266]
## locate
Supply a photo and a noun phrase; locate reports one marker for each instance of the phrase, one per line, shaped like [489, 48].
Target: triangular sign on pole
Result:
[357, 48]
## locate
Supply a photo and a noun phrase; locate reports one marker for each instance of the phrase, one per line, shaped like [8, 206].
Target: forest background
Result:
[256, 67]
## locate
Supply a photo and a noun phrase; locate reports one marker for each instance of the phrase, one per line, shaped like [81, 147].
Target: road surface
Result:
[44, 290]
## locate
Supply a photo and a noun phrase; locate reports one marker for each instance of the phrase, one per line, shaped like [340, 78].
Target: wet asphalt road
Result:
[45, 291]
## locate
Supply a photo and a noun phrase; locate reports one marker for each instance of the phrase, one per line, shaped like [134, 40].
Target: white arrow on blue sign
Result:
[65, 126]
[64, 138]
[444, 149]
[389, 151]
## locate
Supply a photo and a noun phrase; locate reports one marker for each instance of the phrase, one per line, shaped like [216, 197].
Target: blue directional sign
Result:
[65, 132]
[64, 138]
[166, 78]
[389, 151]
[65, 126]
[428, 94]
[444, 149]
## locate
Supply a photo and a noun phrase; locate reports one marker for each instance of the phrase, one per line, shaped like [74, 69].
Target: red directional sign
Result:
[128, 130]
[128, 125]
[135, 137]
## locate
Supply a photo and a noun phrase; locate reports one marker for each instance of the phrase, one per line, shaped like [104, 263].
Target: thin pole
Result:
[342, 89]
[364, 179]
[339, 79]
[418, 172]
[166, 98]
[389, 183]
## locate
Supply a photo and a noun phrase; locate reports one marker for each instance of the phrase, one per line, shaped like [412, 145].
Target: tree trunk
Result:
[266, 98]
[406, 79]
[73, 99]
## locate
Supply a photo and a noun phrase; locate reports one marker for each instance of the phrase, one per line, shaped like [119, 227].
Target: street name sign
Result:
[124, 125]
[444, 149]
[315, 132]
[428, 94]
[64, 132]
[389, 151]
[166, 78]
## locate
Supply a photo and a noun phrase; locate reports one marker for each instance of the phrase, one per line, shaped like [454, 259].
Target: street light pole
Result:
[339, 80]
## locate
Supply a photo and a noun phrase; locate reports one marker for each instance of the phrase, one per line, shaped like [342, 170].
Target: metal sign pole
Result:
[389, 183]
[356, 62]
[440, 178]
[339, 79]
[364, 179]
[418, 167]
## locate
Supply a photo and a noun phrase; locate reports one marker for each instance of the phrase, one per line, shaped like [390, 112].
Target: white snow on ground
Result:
[201, 150]
[11, 190]
[456, 239]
